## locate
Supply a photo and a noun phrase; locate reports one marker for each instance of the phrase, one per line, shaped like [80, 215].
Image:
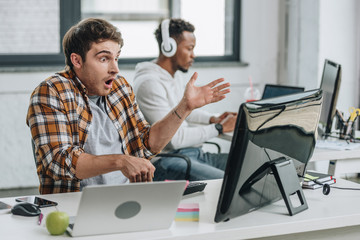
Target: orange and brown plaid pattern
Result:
[59, 118]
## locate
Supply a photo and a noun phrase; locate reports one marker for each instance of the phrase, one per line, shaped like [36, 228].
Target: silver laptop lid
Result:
[126, 208]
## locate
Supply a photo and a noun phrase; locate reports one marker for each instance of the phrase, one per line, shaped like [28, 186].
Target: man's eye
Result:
[103, 59]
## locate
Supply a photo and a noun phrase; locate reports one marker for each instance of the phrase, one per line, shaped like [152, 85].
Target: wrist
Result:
[219, 128]
[183, 109]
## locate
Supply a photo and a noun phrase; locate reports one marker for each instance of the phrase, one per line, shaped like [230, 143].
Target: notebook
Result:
[272, 90]
[126, 208]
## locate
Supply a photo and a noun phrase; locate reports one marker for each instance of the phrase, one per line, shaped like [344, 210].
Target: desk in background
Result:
[339, 161]
[336, 216]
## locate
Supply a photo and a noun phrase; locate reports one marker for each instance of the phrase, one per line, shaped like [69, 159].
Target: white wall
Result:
[259, 49]
[339, 42]
[315, 31]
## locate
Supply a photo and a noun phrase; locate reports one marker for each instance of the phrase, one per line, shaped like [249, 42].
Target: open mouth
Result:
[108, 83]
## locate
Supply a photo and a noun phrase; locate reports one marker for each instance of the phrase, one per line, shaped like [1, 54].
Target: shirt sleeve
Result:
[199, 116]
[52, 132]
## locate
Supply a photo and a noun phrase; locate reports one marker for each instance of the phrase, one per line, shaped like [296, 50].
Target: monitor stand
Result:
[288, 183]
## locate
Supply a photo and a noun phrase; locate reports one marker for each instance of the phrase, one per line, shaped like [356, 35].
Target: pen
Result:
[40, 218]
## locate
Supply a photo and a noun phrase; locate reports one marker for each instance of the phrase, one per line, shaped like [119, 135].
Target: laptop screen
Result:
[271, 90]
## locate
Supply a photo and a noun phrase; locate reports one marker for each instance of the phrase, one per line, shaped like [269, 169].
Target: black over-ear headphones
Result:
[168, 45]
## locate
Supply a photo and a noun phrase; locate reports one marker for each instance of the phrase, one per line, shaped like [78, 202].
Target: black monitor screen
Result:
[330, 85]
[267, 131]
[272, 90]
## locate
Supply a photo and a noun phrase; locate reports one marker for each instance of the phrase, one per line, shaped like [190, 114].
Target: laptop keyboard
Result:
[193, 187]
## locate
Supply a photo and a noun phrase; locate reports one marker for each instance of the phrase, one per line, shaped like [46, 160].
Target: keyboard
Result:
[194, 187]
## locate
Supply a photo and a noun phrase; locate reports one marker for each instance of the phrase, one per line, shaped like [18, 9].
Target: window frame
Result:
[70, 13]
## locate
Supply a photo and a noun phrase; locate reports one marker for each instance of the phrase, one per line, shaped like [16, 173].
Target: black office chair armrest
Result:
[216, 144]
[185, 158]
[33, 150]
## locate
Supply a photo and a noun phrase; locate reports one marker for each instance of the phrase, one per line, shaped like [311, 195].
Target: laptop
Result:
[273, 90]
[106, 209]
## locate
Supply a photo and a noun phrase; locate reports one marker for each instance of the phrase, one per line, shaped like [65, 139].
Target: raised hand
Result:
[197, 97]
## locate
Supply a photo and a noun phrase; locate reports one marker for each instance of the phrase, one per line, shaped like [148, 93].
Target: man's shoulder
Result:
[147, 71]
[57, 84]
[58, 79]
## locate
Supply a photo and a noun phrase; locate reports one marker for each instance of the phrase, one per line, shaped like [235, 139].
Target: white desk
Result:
[339, 210]
[340, 161]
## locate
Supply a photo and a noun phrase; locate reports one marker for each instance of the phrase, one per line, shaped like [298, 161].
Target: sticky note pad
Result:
[187, 212]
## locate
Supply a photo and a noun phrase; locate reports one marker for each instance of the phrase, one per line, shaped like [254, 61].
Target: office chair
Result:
[33, 150]
[185, 158]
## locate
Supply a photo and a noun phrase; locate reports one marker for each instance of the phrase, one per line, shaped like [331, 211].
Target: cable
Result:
[326, 186]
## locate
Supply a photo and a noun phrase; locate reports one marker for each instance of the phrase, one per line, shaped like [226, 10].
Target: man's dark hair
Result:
[79, 37]
[176, 27]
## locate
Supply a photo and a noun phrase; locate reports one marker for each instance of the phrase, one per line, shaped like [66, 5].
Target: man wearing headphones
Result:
[159, 86]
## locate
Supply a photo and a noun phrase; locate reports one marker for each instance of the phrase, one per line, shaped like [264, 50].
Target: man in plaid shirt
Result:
[85, 123]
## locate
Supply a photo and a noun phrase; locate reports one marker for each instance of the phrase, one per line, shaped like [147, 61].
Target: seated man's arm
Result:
[52, 131]
[153, 98]
[135, 169]
[194, 97]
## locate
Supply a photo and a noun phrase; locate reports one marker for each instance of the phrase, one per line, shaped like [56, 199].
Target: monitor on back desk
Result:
[272, 90]
[330, 85]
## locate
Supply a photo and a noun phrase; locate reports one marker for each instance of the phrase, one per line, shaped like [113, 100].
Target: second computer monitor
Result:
[272, 90]
[330, 85]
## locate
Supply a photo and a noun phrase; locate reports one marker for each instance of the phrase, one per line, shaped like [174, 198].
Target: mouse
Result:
[26, 209]
[326, 189]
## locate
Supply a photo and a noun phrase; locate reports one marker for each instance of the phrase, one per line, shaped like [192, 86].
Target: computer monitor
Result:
[272, 143]
[273, 90]
[330, 85]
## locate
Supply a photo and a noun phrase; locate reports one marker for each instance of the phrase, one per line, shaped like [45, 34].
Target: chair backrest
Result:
[33, 150]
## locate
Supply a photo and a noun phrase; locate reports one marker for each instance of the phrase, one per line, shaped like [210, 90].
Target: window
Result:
[217, 38]
[32, 30]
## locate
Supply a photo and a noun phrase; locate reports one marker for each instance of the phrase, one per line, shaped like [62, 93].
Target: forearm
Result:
[163, 130]
[188, 136]
[135, 169]
[90, 165]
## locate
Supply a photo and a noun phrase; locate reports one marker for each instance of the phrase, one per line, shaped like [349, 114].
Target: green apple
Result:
[57, 222]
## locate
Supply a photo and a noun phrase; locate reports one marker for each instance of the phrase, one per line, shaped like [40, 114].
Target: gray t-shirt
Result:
[103, 139]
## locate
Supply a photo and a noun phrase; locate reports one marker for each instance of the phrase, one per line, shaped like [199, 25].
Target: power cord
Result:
[326, 186]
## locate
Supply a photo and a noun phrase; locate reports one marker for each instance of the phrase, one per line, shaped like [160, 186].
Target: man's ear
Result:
[76, 60]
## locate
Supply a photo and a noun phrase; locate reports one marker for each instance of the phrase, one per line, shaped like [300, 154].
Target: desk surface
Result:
[322, 154]
[340, 210]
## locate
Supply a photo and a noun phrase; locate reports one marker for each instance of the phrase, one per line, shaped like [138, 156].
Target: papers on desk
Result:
[337, 144]
[187, 212]
[314, 180]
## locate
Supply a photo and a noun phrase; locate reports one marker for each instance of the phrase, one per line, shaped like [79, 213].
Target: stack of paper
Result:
[315, 180]
[188, 212]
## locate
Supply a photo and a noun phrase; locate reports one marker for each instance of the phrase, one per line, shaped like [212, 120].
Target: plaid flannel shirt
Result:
[59, 118]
